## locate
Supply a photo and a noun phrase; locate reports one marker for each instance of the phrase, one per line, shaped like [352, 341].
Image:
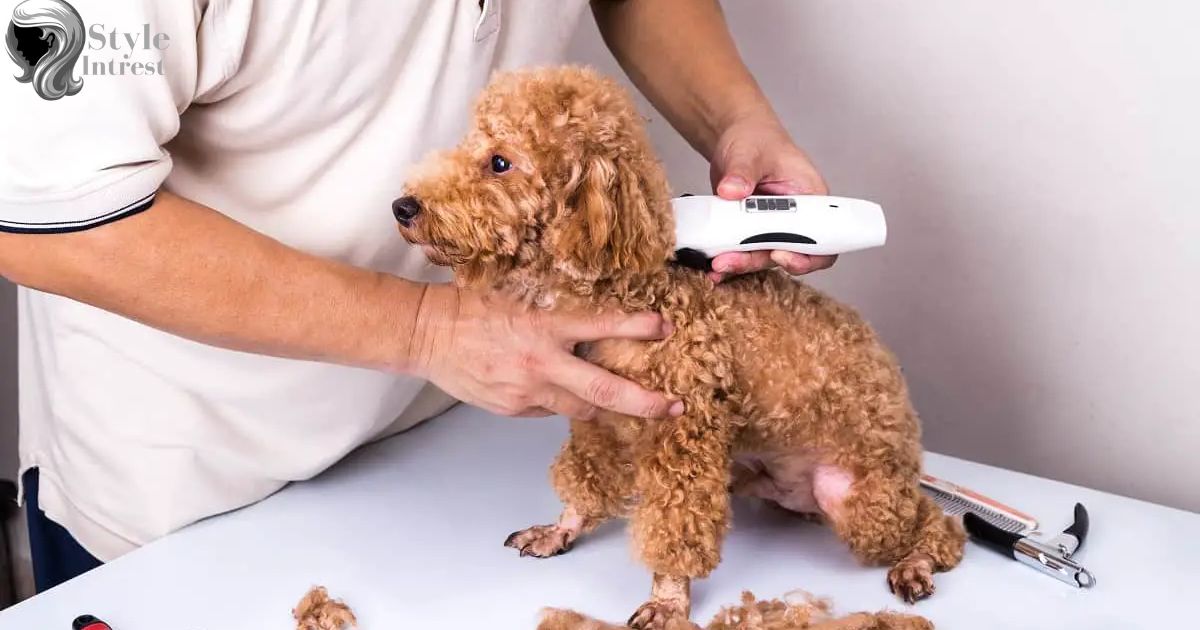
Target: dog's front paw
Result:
[912, 578]
[656, 614]
[541, 541]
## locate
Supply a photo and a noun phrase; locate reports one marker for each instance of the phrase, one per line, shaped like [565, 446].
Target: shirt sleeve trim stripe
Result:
[62, 227]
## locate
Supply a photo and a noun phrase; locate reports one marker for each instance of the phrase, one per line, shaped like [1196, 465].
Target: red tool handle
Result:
[88, 622]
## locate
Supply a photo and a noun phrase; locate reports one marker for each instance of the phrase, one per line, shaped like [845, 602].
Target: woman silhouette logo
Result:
[45, 39]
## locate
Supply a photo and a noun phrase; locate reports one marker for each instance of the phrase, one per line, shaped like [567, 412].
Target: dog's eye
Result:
[500, 164]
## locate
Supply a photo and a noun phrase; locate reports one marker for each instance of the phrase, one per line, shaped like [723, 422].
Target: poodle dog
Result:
[555, 197]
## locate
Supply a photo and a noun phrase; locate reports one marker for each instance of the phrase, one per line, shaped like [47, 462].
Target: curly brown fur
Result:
[316, 611]
[779, 380]
[754, 614]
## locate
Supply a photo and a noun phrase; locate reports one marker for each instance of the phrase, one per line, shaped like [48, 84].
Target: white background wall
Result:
[1038, 162]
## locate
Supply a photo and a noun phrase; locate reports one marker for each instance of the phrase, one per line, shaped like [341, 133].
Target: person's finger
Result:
[564, 403]
[741, 173]
[613, 325]
[823, 262]
[742, 262]
[729, 262]
[791, 262]
[799, 264]
[599, 387]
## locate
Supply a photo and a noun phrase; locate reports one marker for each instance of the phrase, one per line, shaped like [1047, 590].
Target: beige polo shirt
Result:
[296, 118]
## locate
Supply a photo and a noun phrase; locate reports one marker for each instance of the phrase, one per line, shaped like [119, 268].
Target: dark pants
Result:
[56, 556]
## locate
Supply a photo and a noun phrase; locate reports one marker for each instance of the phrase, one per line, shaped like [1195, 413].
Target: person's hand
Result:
[756, 155]
[493, 353]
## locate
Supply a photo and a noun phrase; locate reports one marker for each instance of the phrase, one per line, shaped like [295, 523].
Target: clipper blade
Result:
[956, 500]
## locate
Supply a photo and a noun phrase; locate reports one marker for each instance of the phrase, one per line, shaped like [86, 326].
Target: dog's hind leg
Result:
[888, 520]
[939, 544]
[594, 479]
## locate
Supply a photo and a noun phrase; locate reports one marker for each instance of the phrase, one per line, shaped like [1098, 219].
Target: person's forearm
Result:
[188, 270]
[680, 54]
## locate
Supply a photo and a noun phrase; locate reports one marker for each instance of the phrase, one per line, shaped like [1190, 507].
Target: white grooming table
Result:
[409, 532]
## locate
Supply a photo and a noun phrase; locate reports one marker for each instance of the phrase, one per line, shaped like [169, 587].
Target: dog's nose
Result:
[406, 209]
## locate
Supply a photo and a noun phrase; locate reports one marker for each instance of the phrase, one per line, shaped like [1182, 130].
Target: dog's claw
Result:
[912, 578]
[540, 541]
[913, 593]
[654, 615]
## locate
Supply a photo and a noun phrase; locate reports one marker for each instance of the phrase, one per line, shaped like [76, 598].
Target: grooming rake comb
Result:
[956, 500]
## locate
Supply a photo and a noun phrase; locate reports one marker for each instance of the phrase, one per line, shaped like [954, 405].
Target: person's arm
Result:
[681, 55]
[186, 269]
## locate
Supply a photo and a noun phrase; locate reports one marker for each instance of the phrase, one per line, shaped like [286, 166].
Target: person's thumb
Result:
[739, 173]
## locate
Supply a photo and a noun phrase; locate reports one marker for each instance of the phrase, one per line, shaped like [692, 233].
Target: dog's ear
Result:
[615, 218]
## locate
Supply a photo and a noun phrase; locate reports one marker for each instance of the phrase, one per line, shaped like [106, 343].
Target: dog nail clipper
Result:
[1053, 557]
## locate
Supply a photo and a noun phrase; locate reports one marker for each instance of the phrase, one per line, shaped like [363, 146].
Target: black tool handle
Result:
[990, 535]
[1079, 529]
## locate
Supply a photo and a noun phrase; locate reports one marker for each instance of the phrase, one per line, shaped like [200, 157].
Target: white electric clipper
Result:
[707, 226]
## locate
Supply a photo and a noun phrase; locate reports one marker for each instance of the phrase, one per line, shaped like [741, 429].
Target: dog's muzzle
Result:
[406, 209]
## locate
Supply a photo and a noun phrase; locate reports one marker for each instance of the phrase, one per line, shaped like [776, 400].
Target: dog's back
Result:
[799, 369]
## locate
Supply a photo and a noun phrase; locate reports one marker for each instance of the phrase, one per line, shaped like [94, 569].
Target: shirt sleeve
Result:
[97, 93]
